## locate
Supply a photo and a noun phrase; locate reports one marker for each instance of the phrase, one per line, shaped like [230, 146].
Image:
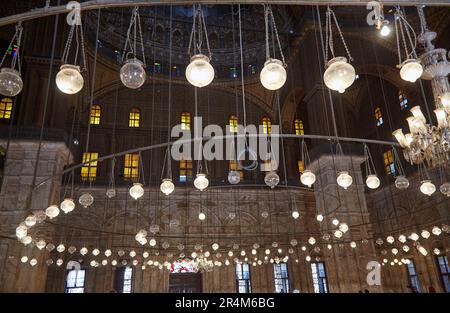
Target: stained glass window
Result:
[281, 277]
[75, 281]
[96, 112]
[319, 276]
[388, 159]
[413, 279]
[243, 280]
[89, 171]
[134, 119]
[402, 99]
[185, 170]
[184, 265]
[6, 105]
[378, 116]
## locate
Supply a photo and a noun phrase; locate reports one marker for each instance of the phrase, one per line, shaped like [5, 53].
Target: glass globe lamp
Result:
[311, 240]
[411, 70]
[10, 82]
[72, 249]
[33, 262]
[405, 248]
[445, 189]
[339, 74]
[372, 181]
[338, 234]
[201, 216]
[21, 231]
[319, 217]
[353, 244]
[152, 242]
[272, 179]
[436, 251]
[401, 182]
[40, 244]
[344, 179]
[215, 246]
[68, 205]
[343, 227]
[52, 211]
[24, 259]
[201, 182]
[60, 248]
[26, 240]
[436, 231]
[295, 214]
[273, 75]
[30, 221]
[425, 234]
[86, 199]
[111, 193]
[83, 251]
[294, 242]
[167, 187]
[427, 187]
[132, 74]
[308, 178]
[335, 222]
[69, 79]
[414, 237]
[402, 238]
[199, 72]
[385, 30]
[390, 239]
[136, 191]
[234, 178]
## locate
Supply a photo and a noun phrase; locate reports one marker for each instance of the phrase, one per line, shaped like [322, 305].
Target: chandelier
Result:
[425, 141]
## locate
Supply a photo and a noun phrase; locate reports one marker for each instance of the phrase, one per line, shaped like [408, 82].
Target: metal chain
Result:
[398, 40]
[403, 38]
[16, 58]
[83, 50]
[423, 21]
[65, 54]
[266, 20]
[206, 36]
[350, 59]
[326, 35]
[274, 25]
[141, 37]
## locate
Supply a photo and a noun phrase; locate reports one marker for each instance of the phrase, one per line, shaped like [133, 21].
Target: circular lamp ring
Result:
[253, 165]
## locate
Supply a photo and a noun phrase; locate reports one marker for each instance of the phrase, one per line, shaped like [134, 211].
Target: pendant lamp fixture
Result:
[372, 180]
[11, 83]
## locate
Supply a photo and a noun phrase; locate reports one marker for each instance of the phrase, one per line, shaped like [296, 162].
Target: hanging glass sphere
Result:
[201, 181]
[445, 189]
[308, 258]
[353, 244]
[201, 216]
[335, 222]
[26, 240]
[308, 178]
[272, 179]
[422, 250]
[83, 251]
[326, 237]
[436, 231]
[40, 216]
[86, 199]
[436, 251]
[344, 179]
[60, 248]
[72, 249]
[256, 246]
[294, 242]
[167, 187]
[427, 187]
[111, 193]
[33, 262]
[68, 205]
[50, 247]
[30, 221]
[385, 30]
[394, 251]
[319, 217]
[132, 253]
[273, 75]
[104, 262]
[69, 79]
[343, 227]
[24, 259]
[402, 238]
[49, 262]
[152, 242]
[264, 214]
[274, 244]
[446, 228]
[199, 72]
[154, 228]
[372, 181]
[40, 244]
[411, 70]
[338, 234]
[136, 191]
[295, 214]
[11, 83]
[215, 246]
[311, 240]
[379, 241]
[234, 177]
[339, 74]
[414, 237]
[303, 248]
[401, 182]
[425, 234]
[390, 239]
[132, 74]
[52, 211]
[405, 248]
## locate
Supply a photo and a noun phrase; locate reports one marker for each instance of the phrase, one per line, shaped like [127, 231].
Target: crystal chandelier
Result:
[427, 142]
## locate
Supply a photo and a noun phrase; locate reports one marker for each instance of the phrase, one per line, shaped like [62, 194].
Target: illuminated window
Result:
[389, 162]
[96, 111]
[402, 100]
[281, 277]
[131, 168]
[185, 170]
[299, 130]
[233, 124]
[127, 279]
[236, 166]
[123, 281]
[413, 279]
[267, 125]
[89, 171]
[6, 108]
[444, 270]
[319, 275]
[135, 116]
[185, 121]
[378, 116]
[244, 284]
[300, 167]
[75, 281]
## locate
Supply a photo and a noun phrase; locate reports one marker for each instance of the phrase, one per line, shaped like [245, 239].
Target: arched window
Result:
[299, 129]
[267, 125]
[243, 281]
[281, 277]
[135, 116]
[185, 121]
[75, 281]
[131, 166]
[388, 159]
[89, 170]
[96, 112]
[233, 124]
[402, 100]
[378, 116]
[6, 105]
